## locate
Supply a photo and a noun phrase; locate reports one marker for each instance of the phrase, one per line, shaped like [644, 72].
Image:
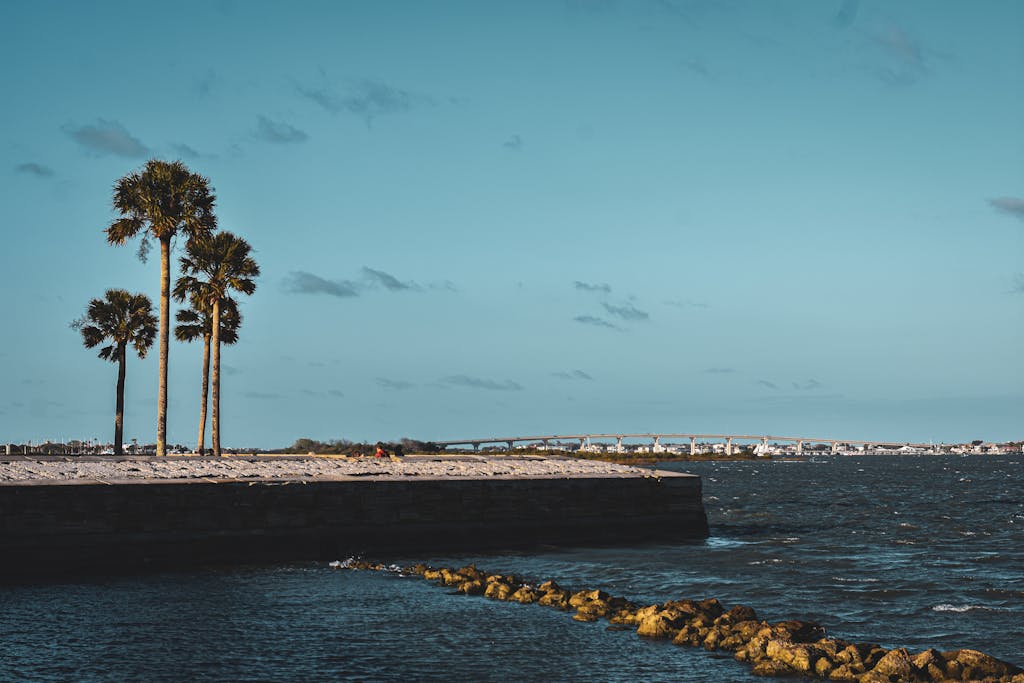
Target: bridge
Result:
[726, 439]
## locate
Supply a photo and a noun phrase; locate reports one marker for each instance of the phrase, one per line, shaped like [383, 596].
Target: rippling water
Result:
[911, 551]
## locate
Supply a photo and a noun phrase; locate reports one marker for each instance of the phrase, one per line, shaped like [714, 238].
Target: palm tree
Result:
[164, 200]
[122, 319]
[212, 267]
[197, 323]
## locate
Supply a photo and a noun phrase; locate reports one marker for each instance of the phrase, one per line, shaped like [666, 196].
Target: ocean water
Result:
[904, 551]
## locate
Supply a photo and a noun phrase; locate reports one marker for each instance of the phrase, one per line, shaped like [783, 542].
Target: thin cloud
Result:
[626, 311]
[684, 303]
[847, 13]
[514, 143]
[32, 168]
[386, 280]
[335, 393]
[769, 385]
[301, 282]
[229, 369]
[259, 395]
[482, 383]
[809, 385]
[107, 137]
[443, 286]
[394, 384]
[1012, 206]
[186, 151]
[720, 371]
[1018, 284]
[279, 132]
[602, 287]
[573, 375]
[596, 322]
[367, 99]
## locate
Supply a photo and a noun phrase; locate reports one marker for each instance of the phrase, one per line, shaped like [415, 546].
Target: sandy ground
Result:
[70, 469]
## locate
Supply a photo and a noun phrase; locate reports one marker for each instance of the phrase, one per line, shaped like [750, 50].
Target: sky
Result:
[482, 219]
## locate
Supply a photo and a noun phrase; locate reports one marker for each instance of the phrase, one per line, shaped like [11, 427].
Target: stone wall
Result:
[66, 528]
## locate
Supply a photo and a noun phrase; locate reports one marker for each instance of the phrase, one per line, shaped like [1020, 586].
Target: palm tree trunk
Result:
[119, 411]
[165, 327]
[215, 345]
[206, 394]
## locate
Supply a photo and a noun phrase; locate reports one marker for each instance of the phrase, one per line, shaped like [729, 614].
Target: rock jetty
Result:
[785, 648]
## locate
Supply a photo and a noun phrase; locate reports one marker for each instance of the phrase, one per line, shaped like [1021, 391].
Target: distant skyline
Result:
[479, 219]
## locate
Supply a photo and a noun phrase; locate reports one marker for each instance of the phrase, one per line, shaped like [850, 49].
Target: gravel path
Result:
[129, 469]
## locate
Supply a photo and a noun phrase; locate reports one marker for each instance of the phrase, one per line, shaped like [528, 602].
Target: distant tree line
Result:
[353, 448]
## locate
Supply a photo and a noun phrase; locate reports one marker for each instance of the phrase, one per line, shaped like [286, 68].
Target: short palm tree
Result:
[122, 319]
[197, 323]
[214, 266]
[165, 199]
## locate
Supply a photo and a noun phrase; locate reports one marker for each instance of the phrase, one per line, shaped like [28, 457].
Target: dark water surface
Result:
[906, 551]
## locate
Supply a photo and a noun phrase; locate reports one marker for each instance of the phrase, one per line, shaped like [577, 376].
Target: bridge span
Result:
[656, 438]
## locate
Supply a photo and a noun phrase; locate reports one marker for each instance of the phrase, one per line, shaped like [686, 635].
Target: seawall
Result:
[49, 528]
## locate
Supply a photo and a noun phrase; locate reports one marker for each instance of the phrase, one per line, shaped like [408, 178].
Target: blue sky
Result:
[482, 218]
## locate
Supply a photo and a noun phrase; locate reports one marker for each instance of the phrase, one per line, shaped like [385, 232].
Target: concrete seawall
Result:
[61, 528]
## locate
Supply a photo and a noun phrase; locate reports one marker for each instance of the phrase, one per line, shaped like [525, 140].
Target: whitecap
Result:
[945, 607]
[843, 579]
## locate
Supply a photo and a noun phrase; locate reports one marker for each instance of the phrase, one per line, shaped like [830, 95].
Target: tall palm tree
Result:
[165, 199]
[214, 266]
[197, 323]
[122, 319]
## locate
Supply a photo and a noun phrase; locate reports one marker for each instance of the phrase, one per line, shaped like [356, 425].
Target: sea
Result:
[904, 551]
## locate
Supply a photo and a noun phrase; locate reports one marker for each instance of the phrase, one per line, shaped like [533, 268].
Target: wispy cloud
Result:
[386, 280]
[684, 303]
[904, 58]
[278, 132]
[301, 282]
[626, 311]
[596, 322]
[107, 137]
[482, 383]
[514, 143]
[32, 168]
[602, 287]
[367, 99]
[573, 375]
[335, 393]
[229, 369]
[769, 385]
[720, 371]
[847, 13]
[1018, 284]
[394, 384]
[809, 385]
[186, 151]
[259, 395]
[1012, 206]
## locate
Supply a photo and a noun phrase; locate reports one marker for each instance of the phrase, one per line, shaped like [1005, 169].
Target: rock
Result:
[524, 595]
[581, 597]
[471, 587]
[585, 616]
[800, 631]
[433, 574]
[894, 666]
[976, 665]
[559, 599]
[797, 656]
[769, 667]
[497, 590]
[548, 587]
[843, 672]
[823, 667]
[711, 607]
[663, 624]
[930, 665]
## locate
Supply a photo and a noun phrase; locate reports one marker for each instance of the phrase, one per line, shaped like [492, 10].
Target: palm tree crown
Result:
[122, 318]
[197, 322]
[215, 265]
[167, 198]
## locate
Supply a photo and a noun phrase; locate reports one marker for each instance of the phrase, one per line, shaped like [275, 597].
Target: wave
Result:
[960, 608]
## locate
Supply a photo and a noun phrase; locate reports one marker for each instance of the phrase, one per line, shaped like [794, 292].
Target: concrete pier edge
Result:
[57, 529]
